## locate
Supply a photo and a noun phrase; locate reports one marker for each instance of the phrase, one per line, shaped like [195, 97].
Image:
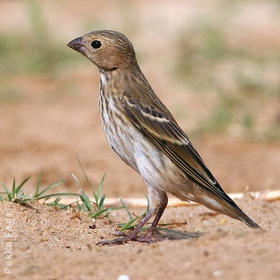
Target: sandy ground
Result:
[57, 244]
[55, 116]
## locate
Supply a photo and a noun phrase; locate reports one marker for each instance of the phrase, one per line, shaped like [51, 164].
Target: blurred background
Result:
[215, 64]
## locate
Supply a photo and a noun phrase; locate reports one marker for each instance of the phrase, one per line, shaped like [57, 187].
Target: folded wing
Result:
[163, 131]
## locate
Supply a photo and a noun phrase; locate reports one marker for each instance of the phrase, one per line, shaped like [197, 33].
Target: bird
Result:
[145, 135]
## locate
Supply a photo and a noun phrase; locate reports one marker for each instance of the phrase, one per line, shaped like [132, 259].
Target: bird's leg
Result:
[149, 237]
[152, 229]
[158, 202]
[133, 235]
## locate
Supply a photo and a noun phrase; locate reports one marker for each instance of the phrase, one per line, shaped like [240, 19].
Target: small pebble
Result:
[217, 273]
[123, 277]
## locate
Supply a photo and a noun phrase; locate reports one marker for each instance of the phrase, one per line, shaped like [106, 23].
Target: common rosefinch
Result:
[145, 135]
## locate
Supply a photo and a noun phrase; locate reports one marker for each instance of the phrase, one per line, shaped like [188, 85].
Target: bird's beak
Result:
[78, 45]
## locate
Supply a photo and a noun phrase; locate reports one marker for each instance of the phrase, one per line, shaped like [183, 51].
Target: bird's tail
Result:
[241, 216]
[229, 207]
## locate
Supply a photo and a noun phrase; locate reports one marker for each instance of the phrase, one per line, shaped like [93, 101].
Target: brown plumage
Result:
[145, 135]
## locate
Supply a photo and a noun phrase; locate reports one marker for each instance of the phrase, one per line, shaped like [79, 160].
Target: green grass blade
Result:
[98, 213]
[104, 210]
[62, 206]
[101, 202]
[77, 180]
[38, 183]
[21, 184]
[84, 173]
[96, 198]
[14, 188]
[9, 195]
[57, 194]
[129, 224]
[48, 188]
[115, 208]
[100, 187]
[84, 208]
[5, 188]
[24, 197]
[126, 209]
[79, 206]
[85, 199]
[55, 202]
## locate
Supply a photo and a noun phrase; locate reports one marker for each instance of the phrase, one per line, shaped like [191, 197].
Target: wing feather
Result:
[163, 131]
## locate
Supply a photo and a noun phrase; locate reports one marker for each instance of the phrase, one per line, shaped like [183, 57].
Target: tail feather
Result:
[228, 207]
[241, 216]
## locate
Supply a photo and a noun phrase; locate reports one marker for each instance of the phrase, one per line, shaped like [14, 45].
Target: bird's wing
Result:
[162, 130]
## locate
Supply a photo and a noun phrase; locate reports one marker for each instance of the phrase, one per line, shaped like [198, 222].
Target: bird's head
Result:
[108, 50]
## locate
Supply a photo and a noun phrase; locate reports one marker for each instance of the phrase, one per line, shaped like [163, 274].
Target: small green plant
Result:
[17, 195]
[56, 204]
[94, 208]
[41, 194]
[133, 220]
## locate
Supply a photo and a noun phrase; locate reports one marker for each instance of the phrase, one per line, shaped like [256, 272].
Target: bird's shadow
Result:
[171, 234]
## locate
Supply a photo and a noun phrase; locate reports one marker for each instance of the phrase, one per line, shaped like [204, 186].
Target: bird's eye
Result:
[96, 44]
